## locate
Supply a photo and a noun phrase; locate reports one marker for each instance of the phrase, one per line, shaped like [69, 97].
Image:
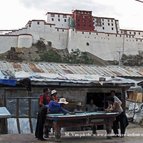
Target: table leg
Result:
[57, 129]
[108, 126]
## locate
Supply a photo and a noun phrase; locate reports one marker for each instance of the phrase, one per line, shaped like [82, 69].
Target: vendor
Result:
[57, 106]
[78, 108]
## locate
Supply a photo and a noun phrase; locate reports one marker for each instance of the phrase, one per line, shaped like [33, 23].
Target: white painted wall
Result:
[60, 20]
[24, 41]
[108, 25]
[6, 42]
[105, 46]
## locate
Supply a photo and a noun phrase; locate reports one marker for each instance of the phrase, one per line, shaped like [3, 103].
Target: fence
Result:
[23, 114]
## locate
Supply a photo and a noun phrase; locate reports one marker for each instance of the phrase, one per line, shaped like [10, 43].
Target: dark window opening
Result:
[49, 43]
[87, 44]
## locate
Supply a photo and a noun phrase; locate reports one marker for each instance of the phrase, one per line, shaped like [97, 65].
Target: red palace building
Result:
[83, 20]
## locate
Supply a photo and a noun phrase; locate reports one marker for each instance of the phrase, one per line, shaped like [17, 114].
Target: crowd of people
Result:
[49, 102]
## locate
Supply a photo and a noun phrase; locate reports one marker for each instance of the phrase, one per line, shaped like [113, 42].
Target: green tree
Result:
[50, 56]
[40, 45]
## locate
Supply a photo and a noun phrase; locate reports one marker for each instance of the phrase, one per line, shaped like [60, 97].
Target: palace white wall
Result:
[60, 20]
[108, 46]
[24, 40]
[6, 42]
[107, 25]
[105, 46]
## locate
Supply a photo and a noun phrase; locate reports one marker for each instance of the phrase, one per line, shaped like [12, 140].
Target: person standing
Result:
[56, 107]
[54, 95]
[91, 107]
[44, 99]
[116, 99]
[121, 120]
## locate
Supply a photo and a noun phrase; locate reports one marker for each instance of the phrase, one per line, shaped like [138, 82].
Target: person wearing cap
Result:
[57, 106]
[54, 95]
[78, 108]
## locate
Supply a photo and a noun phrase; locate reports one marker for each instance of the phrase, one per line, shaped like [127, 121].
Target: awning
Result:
[11, 82]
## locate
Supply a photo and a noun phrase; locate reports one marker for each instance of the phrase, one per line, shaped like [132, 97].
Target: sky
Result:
[15, 14]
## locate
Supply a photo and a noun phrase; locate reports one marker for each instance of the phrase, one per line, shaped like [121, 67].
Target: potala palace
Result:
[81, 30]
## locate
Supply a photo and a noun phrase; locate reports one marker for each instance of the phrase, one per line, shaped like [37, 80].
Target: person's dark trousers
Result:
[40, 122]
[122, 119]
[123, 123]
[94, 129]
[116, 126]
[46, 131]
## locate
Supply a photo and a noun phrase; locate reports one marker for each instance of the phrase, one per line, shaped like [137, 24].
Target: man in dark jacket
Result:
[43, 100]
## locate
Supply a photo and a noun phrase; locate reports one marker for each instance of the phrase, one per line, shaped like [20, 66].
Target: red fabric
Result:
[41, 99]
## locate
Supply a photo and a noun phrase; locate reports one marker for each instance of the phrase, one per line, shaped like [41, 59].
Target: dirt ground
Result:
[134, 134]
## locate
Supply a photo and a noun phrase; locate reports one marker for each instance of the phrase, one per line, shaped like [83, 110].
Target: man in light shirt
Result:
[113, 94]
[121, 120]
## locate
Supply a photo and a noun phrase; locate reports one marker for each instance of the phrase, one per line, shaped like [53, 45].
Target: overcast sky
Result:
[15, 14]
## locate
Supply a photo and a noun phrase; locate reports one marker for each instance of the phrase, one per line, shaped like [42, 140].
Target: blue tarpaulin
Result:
[11, 82]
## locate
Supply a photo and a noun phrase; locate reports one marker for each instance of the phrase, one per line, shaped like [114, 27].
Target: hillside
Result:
[40, 52]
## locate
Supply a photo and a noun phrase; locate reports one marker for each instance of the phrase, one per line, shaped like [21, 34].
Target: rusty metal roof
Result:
[62, 71]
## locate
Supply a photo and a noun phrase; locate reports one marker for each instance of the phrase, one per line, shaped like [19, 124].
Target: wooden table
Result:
[57, 121]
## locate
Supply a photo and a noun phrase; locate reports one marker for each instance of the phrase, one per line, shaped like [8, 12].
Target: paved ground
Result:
[134, 134]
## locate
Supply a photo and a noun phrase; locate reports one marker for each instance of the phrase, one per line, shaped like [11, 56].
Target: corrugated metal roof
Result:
[60, 71]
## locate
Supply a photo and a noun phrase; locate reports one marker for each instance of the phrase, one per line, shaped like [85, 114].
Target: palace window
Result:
[52, 15]
[64, 16]
[87, 44]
